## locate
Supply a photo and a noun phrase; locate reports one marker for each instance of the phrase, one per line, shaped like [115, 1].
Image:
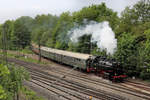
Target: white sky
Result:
[12, 9]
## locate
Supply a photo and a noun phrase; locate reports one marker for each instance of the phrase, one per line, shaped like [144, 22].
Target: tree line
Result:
[132, 30]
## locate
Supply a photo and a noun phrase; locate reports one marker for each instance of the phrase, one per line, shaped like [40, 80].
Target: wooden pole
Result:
[4, 45]
[39, 51]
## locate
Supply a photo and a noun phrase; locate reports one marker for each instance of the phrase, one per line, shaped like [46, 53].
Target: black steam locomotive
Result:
[106, 68]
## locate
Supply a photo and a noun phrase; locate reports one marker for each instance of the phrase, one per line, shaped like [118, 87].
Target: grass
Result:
[147, 80]
[8, 54]
[21, 57]
[31, 95]
[31, 60]
[26, 51]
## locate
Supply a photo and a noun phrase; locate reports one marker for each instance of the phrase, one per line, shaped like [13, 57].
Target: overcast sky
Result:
[12, 9]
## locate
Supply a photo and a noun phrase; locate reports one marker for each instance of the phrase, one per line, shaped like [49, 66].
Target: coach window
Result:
[63, 57]
[78, 60]
[71, 59]
[75, 59]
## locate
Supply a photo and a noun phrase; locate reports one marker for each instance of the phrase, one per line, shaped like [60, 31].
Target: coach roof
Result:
[67, 53]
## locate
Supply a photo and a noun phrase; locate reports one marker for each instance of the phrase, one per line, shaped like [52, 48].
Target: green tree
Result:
[135, 20]
[22, 35]
[134, 49]
[84, 44]
[45, 21]
[59, 34]
[143, 62]
[45, 24]
[142, 10]
[38, 35]
[4, 72]
[2, 94]
[126, 52]
[0, 36]
[17, 77]
[12, 79]
[98, 13]
[8, 30]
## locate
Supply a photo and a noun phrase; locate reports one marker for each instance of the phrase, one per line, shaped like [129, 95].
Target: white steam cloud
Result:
[101, 33]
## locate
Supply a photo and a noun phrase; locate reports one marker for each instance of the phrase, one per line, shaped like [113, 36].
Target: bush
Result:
[144, 75]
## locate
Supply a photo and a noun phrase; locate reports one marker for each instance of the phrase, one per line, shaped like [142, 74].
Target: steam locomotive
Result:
[106, 68]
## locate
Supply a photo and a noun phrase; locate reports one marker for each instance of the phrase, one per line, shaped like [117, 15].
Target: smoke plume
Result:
[101, 33]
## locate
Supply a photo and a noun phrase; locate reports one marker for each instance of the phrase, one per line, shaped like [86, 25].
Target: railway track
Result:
[51, 90]
[73, 89]
[59, 91]
[108, 85]
[80, 88]
[145, 88]
[139, 84]
[118, 87]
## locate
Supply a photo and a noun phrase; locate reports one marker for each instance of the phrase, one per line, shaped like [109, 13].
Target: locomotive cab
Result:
[118, 74]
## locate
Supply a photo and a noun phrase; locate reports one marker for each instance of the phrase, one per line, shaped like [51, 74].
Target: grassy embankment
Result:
[23, 55]
[27, 93]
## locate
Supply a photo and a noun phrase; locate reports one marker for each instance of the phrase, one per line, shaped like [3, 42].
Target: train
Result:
[107, 68]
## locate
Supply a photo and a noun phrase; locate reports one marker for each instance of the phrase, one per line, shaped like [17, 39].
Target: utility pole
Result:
[90, 47]
[4, 44]
[39, 51]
